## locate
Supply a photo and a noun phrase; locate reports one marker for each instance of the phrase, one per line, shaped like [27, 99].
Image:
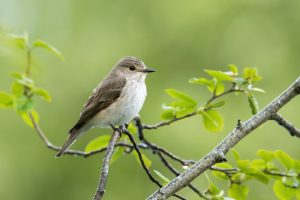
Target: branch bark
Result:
[219, 152]
[105, 165]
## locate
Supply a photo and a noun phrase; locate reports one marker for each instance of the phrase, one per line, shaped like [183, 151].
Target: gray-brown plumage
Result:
[116, 100]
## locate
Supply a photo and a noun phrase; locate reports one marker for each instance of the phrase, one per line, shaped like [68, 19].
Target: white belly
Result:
[127, 106]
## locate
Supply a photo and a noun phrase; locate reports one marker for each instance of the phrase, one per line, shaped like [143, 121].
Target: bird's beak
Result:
[148, 70]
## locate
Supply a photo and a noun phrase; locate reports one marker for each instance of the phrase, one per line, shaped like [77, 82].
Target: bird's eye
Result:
[132, 67]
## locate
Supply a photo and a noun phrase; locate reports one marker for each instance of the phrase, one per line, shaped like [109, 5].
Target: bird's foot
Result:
[120, 129]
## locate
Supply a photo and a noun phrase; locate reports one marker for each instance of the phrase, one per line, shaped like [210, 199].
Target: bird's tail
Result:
[72, 138]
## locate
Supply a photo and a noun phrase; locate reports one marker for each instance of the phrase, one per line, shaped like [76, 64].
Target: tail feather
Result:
[72, 138]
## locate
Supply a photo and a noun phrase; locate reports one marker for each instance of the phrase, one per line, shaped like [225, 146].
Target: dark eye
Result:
[132, 67]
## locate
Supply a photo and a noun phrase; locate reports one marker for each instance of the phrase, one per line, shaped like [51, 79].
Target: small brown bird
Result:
[115, 101]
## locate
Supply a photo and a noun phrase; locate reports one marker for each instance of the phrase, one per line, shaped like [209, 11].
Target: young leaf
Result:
[43, 94]
[216, 105]
[235, 154]
[118, 152]
[258, 164]
[251, 75]
[146, 160]
[203, 81]
[219, 87]
[97, 143]
[23, 104]
[6, 100]
[27, 119]
[222, 76]
[50, 48]
[17, 89]
[238, 192]
[132, 128]
[253, 104]
[233, 69]
[283, 192]
[266, 155]
[162, 177]
[284, 159]
[212, 120]
[261, 177]
[168, 114]
[19, 40]
[176, 94]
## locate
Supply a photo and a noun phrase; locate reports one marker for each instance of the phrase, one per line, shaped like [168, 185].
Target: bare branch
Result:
[287, 125]
[218, 153]
[105, 165]
[160, 124]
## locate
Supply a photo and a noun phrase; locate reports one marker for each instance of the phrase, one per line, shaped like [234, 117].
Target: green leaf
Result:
[235, 154]
[17, 89]
[258, 164]
[212, 120]
[27, 119]
[162, 177]
[283, 192]
[266, 155]
[233, 69]
[251, 74]
[219, 174]
[132, 128]
[284, 159]
[44, 94]
[238, 192]
[243, 164]
[98, 143]
[216, 105]
[168, 114]
[146, 160]
[203, 81]
[261, 177]
[297, 165]
[20, 40]
[238, 178]
[222, 76]
[6, 100]
[118, 152]
[253, 104]
[219, 87]
[50, 48]
[23, 104]
[176, 94]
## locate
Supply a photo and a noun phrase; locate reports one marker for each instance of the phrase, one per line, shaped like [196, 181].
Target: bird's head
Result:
[132, 67]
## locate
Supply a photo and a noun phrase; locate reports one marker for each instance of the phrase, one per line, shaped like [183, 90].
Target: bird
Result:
[116, 100]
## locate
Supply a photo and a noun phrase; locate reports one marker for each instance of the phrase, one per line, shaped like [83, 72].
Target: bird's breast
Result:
[125, 108]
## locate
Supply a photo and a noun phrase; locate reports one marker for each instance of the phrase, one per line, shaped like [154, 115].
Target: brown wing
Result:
[104, 95]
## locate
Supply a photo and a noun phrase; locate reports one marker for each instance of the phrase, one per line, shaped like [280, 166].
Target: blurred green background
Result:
[179, 39]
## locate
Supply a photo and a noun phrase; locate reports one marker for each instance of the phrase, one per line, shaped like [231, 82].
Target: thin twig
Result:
[105, 165]
[287, 125]
[214, 97]
[126, 132]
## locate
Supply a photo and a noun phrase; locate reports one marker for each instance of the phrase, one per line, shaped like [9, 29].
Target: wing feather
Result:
[105, 94]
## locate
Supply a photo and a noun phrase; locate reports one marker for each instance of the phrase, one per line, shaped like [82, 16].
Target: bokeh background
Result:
[179, 39]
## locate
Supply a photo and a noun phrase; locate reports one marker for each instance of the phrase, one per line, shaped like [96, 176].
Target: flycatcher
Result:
[115, 101]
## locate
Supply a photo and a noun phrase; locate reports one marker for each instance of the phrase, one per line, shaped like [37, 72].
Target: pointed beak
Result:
[149, 70]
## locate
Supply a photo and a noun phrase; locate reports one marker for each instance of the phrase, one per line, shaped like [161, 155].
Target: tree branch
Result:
[287, 125]
[105, 165]
[218, 153]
